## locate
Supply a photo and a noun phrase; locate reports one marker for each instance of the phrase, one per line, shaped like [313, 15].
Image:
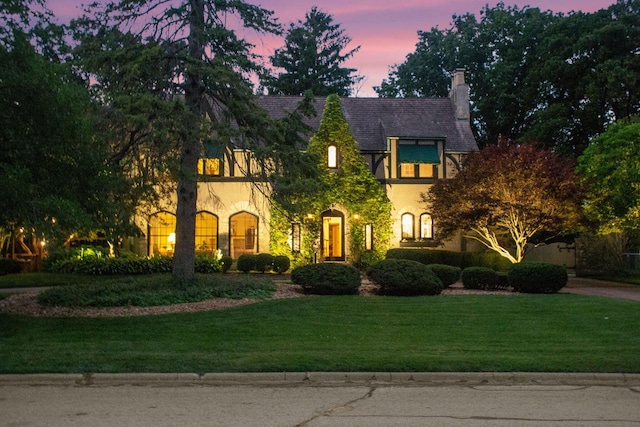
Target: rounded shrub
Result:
[447, 274]
[537, 277]
[281, 263]
[264, 263]
[403, 277]
[479, 278]
[226, 262]
[327, 279]
[247, 262]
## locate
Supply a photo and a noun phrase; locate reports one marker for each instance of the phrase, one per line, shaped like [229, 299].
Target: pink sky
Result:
[385, 30]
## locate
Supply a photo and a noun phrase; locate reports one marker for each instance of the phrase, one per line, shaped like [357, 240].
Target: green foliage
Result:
[281, 264]
[9, 266]
[537, 277]
[535, 75]
[327, 279]
[507, 195]
[264, 262]
[610, 167]
[226, 262]
[247, 262]
[311, 59]
[480, 278]
[403, 277]
[155, 290]
[351, 189]
[447, 274]
[103, 266]
[492, 260]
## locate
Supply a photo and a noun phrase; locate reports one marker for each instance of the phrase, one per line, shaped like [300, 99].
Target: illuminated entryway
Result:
[333, 235]
[244, 234]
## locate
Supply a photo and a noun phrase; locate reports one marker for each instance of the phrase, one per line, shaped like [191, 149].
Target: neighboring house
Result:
[408, 143]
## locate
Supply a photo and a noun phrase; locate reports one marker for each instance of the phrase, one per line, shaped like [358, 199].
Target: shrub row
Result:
[131, 266]
[457, 259]
[263, 263]
[327, 279]
[525, 277]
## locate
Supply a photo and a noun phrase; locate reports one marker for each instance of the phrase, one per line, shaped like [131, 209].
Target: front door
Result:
[333, 236]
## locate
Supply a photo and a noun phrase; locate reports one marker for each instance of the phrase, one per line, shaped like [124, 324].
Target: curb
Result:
[325, 379]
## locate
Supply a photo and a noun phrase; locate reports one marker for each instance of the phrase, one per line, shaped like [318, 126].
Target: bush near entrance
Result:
[327, 279]
[403, 277]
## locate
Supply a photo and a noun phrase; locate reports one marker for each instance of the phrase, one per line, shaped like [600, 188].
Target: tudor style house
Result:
[407, 143]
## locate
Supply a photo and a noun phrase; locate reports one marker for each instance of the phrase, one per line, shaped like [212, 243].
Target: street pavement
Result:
[322, 399]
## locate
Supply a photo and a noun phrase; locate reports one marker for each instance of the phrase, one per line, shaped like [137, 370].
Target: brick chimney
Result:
[460, 95]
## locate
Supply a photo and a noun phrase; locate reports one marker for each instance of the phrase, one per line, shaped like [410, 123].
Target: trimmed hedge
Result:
[537, 277]
[227, 262]
[131, 266]
[281, 264]
[403, 277]
[479, 278]
[247, 262]
[463, 260]
[447, 274]
[264, 263]
[327, 279]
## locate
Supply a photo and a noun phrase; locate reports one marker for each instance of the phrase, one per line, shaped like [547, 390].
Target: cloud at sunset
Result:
[385, 31]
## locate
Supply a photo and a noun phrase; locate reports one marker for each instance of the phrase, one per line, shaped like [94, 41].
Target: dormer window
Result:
[210, 162]
[418, 159]
[332, 157]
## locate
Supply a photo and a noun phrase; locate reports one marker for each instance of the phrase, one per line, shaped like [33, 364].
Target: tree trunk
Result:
[184, 256]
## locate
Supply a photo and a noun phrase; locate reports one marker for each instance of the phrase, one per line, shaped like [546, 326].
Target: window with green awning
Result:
[419, 154]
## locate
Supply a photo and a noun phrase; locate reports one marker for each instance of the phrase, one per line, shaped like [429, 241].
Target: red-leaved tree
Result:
[506, 196]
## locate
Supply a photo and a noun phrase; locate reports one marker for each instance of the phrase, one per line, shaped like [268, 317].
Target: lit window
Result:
[332, 156]
[295, 237]
[407, 226]
[162, 236]
[368, 237]
[426, 226]
[206, 232]
[244, 234]
[209, 167]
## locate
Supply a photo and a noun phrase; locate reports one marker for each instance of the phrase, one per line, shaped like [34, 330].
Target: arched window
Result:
[407, 226]
[206, 232]
[332, 157]
[162, 233]
[426, 226]
[244, 234]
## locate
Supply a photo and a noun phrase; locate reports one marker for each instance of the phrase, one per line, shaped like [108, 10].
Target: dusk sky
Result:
[385, 30]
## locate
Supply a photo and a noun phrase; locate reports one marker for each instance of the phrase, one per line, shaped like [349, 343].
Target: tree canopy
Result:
[534, 76]
[610, 168]
[312, 56]
[507, 196]
[181, 80]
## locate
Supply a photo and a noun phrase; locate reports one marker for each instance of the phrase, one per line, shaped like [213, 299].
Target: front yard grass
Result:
[554, 333]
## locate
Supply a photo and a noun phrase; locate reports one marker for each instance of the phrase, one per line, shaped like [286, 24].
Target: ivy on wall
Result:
[350, 187]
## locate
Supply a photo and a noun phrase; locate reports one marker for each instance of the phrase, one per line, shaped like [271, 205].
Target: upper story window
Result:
[209, 163]
[332, 157]
[417, 159]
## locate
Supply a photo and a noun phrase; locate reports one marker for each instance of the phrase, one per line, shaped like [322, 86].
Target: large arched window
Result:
[206, 232]
[162, 233]
[408, 226]
[426, 226]
[244, 234]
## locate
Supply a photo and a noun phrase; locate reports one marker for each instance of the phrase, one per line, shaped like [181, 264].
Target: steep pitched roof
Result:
[373, 120]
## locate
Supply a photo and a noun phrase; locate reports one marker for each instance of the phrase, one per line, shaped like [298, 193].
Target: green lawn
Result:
[558, 333]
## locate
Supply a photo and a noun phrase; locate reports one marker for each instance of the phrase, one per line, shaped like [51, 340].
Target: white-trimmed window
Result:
[426, 226]
[332, 157]
[408, 226]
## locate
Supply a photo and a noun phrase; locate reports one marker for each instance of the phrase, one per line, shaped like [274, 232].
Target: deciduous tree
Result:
[507, 195]
[610, 167]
